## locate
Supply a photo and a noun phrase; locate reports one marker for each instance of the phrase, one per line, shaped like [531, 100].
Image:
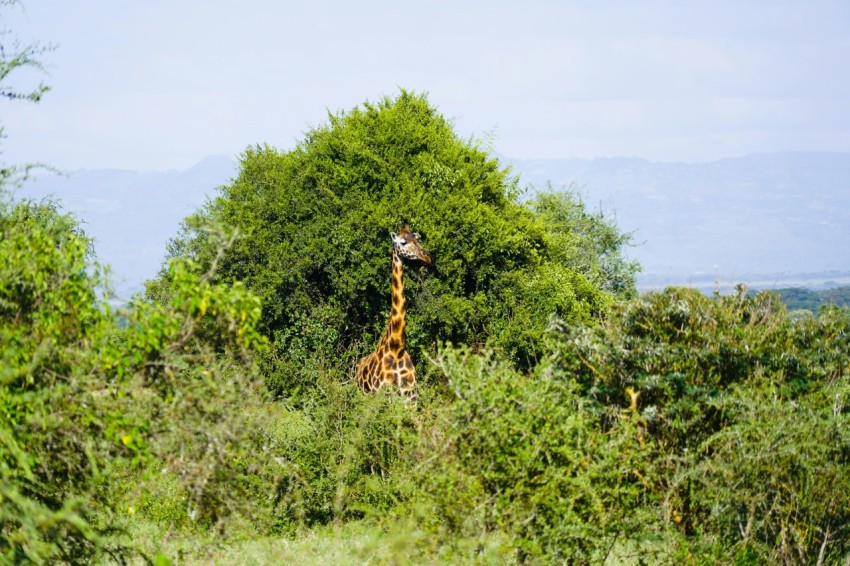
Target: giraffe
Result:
[390, 363]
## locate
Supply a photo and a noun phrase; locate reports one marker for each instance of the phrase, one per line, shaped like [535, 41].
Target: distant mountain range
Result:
[761, 218]
[132, 215]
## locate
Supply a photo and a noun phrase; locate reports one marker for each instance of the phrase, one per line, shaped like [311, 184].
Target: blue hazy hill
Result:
[132, 215]
[742, 219]
[732, 218]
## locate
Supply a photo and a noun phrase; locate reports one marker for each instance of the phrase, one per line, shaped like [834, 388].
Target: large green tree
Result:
[314, 243]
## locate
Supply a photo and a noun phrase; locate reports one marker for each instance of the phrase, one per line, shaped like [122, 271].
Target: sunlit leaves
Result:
[314, 243]
[84, 387]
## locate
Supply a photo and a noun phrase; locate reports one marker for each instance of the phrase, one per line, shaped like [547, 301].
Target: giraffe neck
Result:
[394, 336]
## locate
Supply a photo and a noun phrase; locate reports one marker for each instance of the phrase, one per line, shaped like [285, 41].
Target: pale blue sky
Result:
[162, 84]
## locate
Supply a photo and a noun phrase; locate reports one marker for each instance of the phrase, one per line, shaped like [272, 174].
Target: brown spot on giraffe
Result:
[390, 364]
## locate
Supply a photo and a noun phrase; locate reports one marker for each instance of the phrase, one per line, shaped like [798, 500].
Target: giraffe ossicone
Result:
[390, 364]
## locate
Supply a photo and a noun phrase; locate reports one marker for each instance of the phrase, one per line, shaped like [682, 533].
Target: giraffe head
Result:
[407, 245]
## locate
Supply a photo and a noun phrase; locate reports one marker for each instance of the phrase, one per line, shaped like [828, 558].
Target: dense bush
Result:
[744, 408]
[154, 413]
[345, 455]
[680, 428]
[524, 455]
[85, 393]
[773, 486]
[587, 242]
[315, 221]
[618, 440]
[798, 298]
[679, 350]
[683, 429]
[48, 320]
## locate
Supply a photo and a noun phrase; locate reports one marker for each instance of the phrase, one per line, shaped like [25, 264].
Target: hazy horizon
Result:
[45, 172]
[748, 219]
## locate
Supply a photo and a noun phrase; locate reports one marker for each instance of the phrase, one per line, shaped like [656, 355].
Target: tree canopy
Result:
[314, 245]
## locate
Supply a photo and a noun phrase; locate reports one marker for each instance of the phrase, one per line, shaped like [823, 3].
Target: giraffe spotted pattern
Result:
[390, 364]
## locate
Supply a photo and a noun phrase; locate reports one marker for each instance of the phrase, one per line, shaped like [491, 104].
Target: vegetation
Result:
[561, 417]
[314, 244]
[85, 398]
[682, 429]
[798, 298]
[742, 408]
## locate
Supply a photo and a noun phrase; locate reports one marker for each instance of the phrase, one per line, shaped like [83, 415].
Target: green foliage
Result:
[314, 246]
[587, 242]
[48, 322]
[683, 429]
[188, 361]
[839, 296]
[83, 395]
[797, 298]
[678, 350]
[773, 484]
[744, 408]
[525, 455]
[345, 455]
